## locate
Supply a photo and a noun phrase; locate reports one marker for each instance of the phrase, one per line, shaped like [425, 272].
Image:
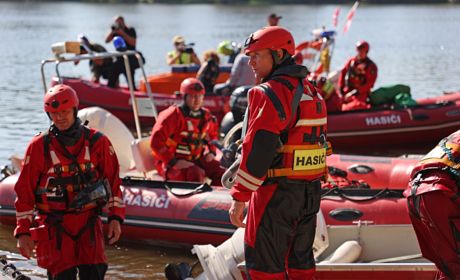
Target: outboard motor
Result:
[221, 262]
[238, 104]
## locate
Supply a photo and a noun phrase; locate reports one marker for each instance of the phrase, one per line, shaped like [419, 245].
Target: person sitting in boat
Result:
[99, 67]
[69, 174]
[434, 206]
[240, 75]
[230, 49]
[209, 70]
[273, 20]
[282, 161]
[181, 138]
[182, 53]
[357, 79]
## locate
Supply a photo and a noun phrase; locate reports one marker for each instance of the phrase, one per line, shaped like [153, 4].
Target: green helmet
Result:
[225, 48]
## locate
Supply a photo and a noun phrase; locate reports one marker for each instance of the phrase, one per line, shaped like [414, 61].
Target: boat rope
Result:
[200, 189]
[341, 193]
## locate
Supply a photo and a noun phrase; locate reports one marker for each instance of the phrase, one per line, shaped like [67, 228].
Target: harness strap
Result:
[275, 101]
[53, 220]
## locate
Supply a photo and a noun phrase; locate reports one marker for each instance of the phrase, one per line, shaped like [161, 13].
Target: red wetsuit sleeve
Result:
[168, 123]
[262, 117]
[26, 185]
[109, 168]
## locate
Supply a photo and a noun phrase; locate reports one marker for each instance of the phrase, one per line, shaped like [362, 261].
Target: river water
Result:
[415, 45]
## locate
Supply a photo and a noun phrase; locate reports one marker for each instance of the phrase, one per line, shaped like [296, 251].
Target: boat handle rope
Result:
[340, 192]
[200, 189]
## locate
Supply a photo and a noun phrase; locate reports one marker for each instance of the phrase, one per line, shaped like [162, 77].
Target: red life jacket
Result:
[66, 177]
[354, 79]
[439, 169]
[190, 142]
[302, 155]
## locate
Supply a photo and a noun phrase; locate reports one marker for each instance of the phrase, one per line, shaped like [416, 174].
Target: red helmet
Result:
[59, 98]
[362, 45]
[191, 86]
[270, 37]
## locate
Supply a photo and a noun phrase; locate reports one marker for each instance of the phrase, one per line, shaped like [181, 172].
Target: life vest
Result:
[444, 161]
[184, 58]
[303, 150]
[66, 177]
[353, 79]
[189, 143]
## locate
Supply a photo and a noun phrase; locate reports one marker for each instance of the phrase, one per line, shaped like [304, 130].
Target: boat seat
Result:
[142, 155]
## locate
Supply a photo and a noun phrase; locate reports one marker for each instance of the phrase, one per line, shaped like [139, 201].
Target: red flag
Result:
[335, 17]
[350, 16]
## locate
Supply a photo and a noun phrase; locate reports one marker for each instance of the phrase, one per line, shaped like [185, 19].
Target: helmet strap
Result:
[277, 60]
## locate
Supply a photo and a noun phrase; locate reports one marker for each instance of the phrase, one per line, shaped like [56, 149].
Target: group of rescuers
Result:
[70, 174]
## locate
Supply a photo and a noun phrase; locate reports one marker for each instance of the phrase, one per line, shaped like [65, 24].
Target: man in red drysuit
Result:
[434, 206]
[283, 158]
[181, 138]
[69, 174]
[357, 79]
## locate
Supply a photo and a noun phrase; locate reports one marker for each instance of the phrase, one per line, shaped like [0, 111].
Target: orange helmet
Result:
[191, 86]
[271, 37]
[59, 98]
[362, 45]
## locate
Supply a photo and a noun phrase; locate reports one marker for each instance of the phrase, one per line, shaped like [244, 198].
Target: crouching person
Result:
[70, 173]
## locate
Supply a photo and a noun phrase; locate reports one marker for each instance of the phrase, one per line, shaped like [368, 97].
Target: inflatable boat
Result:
[169, 82]
[181, 212]
[118, 101]
[406, 129]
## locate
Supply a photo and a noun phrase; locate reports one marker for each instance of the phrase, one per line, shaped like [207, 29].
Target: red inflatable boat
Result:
[400, 130]
[155, 214]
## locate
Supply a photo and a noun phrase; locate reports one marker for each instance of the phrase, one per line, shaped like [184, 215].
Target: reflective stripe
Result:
[306, 97]
[246, 184]
[284, 172]
[54, 158]
[311, 122]
[115, 204]
[183, 152]
[248, 177]
[87, 158]
[26, 215]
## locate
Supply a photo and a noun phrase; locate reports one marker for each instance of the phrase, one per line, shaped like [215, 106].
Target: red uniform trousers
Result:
[57, 251]
[436, 220]
[280, 230]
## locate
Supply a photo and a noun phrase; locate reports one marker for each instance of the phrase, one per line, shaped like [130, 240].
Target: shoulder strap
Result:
[275, 101]
[46, 143]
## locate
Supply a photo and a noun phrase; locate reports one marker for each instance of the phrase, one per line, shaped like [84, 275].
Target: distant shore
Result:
[251, 2]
